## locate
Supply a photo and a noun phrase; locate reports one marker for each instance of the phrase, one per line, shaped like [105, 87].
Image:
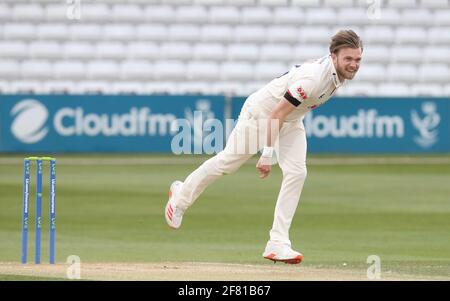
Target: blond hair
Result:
[345, 38]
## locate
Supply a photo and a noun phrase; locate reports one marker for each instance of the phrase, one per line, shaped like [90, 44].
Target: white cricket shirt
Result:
[306, 86]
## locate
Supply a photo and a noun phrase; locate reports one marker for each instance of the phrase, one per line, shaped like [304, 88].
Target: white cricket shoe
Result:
[173, 213]
[282, 252]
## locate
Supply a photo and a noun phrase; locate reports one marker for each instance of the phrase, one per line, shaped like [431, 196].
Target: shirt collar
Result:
[334, 76]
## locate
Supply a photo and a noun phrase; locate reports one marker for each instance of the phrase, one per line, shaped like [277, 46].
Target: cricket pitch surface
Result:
[195, 271]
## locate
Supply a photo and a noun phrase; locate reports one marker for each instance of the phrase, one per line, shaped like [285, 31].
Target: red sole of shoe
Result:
[295, 260]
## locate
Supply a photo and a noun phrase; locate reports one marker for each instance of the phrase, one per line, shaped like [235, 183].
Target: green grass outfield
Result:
[110, 209]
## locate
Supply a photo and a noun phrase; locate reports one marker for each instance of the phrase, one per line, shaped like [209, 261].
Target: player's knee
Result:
[222, 164]
[227, 166]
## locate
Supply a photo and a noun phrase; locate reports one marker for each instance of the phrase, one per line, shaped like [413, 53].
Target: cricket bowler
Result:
[271, 120]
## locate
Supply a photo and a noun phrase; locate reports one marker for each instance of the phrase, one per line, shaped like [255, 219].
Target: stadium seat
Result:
[94, 12]
[5, 13]
[276, 52]
[169, 70]
[304, 52]
[102, 70]
[4, 87]
[442, 17]
[127, 88]
[375, 54]
[191, 14]
[406, 54]
[402, 73]
[434, 4]
[401, 3]
[371, 73]
[224, 15]
[52, 31]
[193, 88]
[199, 71]
[388, 17]
[437, 73]
[250, 33]
[136, 69]
[127, 13]
[78, 50]
[56, 12]
[314, 34]
[256, 15]
[411, 35]
[427, 90]
[228, 88]
[288, 34]
[44, 49]
[357, 88]
[26, 87]
[13, 49]
[321, 16]
[268, 71]
[252, 87]
[210, 2]
[69, 69]
[159, 14]
[92, 87]
[273, 3]
[9, 70]
[176, 51]
[142, 50]
[439, 35]
[352, 16]
[176, 2]
[184, 33]
[109, 50]
[393, 89]
[152, 32]
[241, 2]
[91, 32]
[243, 52]
[416, 17]
[19, 31]
[289, 15]
[338, 3]
[378, 35]
[210, 51]
[306, 3]
[119, 32]
[217, 33]
[236, 71]
[58, 87]
[36, 69]
[27, 12]
[160, 88]
[436, 54]
[446, 90]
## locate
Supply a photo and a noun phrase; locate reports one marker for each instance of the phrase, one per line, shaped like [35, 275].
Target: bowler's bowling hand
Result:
[264, 166]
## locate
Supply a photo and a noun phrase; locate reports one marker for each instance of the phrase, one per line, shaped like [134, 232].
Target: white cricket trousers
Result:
[245, 140]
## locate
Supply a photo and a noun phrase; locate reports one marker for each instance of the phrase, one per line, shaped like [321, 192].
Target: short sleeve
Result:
[299, 91]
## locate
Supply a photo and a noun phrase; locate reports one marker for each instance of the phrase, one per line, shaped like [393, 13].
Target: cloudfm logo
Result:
[427, 126]
[29, 121]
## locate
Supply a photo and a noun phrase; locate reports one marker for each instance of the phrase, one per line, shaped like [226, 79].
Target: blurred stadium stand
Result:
[217, 46]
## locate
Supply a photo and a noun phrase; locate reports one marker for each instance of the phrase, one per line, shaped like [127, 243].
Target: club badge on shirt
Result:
[302, 93]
